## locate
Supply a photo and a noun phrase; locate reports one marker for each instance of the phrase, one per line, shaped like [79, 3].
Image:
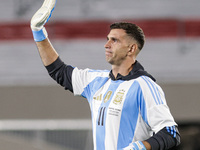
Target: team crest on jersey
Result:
[119, 97]
[107, 97]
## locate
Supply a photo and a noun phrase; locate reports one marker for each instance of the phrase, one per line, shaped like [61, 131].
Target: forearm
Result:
[165, 139]
[47, 53]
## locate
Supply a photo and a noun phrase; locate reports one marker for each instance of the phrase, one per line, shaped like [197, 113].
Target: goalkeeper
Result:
[129, 110]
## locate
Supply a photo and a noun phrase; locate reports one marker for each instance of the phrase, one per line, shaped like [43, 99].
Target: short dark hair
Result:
[132, 30]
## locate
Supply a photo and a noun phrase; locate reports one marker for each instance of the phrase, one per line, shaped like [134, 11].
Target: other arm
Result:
[157, 115]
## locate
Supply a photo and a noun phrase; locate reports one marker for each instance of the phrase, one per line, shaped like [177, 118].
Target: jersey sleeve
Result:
[86, 81]
[155, 110]
[61, 73]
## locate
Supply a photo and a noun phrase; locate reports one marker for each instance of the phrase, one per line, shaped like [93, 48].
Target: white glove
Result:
[135, 146]
[40, 18]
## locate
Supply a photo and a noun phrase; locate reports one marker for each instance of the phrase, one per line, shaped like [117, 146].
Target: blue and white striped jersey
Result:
[123, 111]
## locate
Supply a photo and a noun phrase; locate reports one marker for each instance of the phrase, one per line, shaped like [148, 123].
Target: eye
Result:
[114, 39]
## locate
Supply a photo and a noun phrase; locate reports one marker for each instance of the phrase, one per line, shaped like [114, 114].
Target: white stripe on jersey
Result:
[112, 131]
[142, 130]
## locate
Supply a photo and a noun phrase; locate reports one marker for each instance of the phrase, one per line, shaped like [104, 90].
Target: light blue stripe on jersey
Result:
[154, 90]
[93, 86]
[130, 113]
[100, 129]
[91, 89]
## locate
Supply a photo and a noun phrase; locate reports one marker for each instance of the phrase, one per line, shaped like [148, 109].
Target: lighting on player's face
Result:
[116, 46]
[108, 51]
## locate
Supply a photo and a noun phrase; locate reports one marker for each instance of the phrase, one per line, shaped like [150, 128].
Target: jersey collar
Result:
[137, 71]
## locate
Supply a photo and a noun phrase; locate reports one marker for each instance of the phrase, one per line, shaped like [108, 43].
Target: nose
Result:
[107, 45]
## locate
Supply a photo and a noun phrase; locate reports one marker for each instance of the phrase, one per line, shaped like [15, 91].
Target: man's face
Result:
[117, 46]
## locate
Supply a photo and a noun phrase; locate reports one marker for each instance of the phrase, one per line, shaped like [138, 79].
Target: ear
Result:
[133, 49]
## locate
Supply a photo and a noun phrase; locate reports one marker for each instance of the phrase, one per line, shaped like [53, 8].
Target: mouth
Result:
[108, 53]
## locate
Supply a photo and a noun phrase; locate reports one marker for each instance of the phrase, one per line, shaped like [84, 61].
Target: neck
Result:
[123, 69]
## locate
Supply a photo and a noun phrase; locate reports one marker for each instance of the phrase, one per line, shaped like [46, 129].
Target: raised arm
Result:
[47, 53]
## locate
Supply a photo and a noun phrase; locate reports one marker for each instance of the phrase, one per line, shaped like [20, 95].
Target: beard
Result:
[115, 60]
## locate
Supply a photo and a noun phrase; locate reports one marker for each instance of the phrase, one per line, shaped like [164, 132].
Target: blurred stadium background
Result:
[37, 114]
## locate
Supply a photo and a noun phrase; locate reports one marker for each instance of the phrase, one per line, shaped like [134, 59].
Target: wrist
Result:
[147, 145]
[138, 145]
[39, 35]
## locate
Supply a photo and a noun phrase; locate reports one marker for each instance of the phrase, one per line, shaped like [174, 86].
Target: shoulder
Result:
[87, 75]
[91, 72]
[82, 78]
[146, 81]
[151, 91]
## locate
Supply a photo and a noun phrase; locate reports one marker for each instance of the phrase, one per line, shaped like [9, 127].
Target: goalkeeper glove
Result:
[40, 18]
[138, 145]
